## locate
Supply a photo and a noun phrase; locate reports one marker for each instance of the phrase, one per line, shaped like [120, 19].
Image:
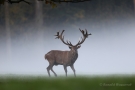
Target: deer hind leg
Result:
[65, 68]
[54, 72]
[48, 70]
[50, 67]
[72, 67]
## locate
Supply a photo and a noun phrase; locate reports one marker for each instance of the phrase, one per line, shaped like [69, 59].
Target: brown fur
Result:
[65, 58]
[58, 57]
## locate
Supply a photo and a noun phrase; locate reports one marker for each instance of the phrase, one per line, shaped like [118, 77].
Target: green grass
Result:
[69, 83]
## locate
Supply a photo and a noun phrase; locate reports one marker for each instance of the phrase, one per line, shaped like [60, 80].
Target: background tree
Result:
[8, 32]
[134, 4]
[39, 22]
[51, 2]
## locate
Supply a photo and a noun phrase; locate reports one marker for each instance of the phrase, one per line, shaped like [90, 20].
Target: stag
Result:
[65, 58]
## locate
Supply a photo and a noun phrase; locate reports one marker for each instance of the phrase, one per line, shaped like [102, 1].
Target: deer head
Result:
[71, 46]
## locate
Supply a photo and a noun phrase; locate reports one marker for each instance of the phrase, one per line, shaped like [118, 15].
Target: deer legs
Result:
[54, 72]
[50, 68]
[65, 68]
[72, 67]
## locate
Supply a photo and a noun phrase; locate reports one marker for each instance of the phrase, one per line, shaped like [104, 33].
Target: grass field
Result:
[67, 83]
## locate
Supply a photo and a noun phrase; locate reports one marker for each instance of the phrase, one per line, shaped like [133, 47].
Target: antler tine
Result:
[70, 44]
[86, 31]
[90, 34]
[80, 42]
[62, 32]
[79, 29]
[86, 34]
[59, 36]
[82, 31]
[62, 39]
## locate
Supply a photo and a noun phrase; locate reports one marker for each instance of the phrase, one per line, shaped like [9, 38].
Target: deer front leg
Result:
[65, 68]
[72, 67]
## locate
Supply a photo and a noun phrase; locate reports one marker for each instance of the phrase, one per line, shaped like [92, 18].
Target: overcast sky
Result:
[109, 50]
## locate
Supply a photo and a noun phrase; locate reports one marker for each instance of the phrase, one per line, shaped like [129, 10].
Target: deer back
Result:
[57, 56]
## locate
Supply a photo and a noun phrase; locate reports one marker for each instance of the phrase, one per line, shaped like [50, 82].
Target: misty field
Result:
[67, 83]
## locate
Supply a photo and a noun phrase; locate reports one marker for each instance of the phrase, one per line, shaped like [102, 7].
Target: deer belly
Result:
[58, 62]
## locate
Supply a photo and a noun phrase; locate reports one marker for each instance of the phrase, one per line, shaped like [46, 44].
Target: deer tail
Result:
[45, 56]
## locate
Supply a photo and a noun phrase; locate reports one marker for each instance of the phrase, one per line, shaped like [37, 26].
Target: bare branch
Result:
[18, 1]
[71, 1]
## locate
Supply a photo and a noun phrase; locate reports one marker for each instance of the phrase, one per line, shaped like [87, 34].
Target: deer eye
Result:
[70, 47]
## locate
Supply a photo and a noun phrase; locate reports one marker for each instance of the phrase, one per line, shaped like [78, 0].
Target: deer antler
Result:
[85, 35]
[59, 36]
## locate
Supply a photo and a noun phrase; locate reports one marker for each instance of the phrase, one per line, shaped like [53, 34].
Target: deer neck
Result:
[73, 51]
[73, 55]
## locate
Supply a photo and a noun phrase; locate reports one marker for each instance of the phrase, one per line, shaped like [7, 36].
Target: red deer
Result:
[65, 58]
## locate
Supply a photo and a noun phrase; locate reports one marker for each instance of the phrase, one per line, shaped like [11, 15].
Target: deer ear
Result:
[78, 47]
[69, 47]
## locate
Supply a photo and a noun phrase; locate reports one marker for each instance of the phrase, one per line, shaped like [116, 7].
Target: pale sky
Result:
[109, 50]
